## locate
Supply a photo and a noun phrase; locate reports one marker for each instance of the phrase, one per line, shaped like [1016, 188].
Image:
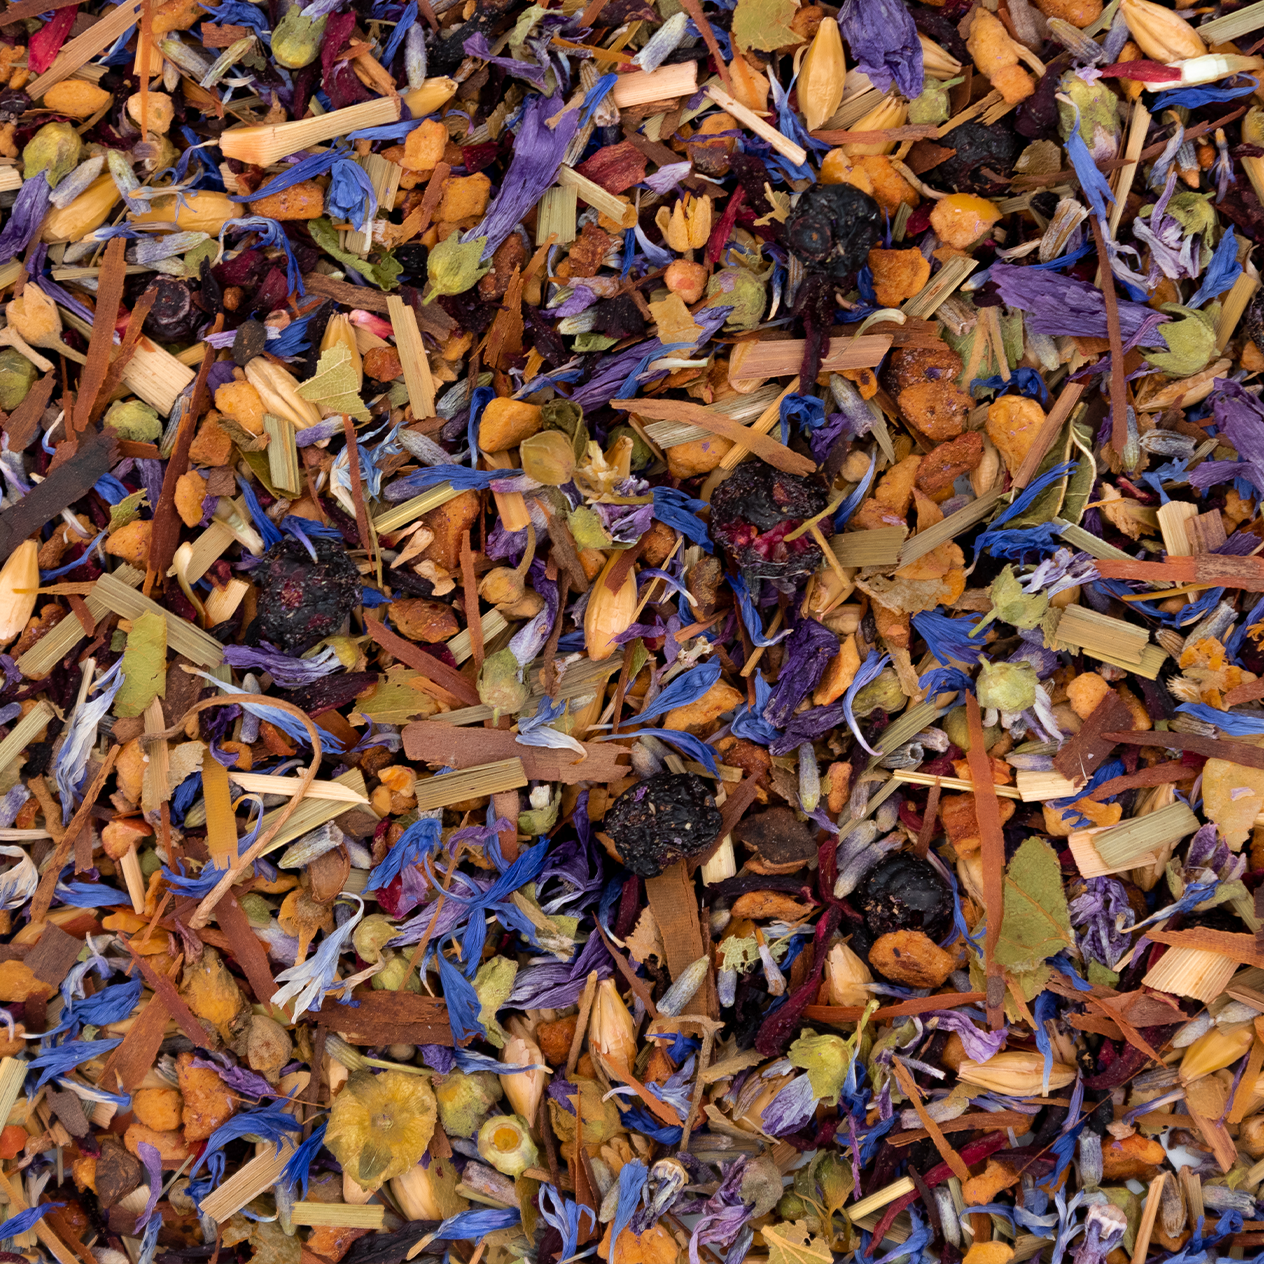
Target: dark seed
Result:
[251, 339]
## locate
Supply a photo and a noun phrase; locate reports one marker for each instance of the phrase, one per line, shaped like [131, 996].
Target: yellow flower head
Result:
[381, 1125]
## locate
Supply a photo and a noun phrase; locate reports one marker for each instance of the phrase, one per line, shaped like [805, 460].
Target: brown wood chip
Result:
[1213, 748]
[412, 655]
[23, 423]
[1241, 948]
[245, 947]
[1085, 752]
[389, 1018]
[674, 903]
[439, 743]
[53, 954]
[73, 478]
[166, 531]
[109, 294]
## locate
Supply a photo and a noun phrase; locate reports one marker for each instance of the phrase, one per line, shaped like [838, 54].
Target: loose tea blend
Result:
[631, 630]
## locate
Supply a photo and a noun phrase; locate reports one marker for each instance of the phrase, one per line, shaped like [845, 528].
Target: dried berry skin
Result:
[661, 820]
[1253, 320]
[305, 600]
[833, 228]
[754, 510]
[173, 317]
[979, 149]
[905, 893]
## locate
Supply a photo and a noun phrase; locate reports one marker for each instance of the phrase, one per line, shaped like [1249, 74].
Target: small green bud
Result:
[505, 1142]
[1007, 686]
[55, 150]
[882, 694]
[150, 862]
[296, 39]
[465, 1100]
[257, 910]
[561, 414]
[453, 268]
[1100, 128]
[17, 376]
[134, 419]
[395, 976]
[500, 683]
[835, 1179]
[548, 457]
[792, 1207]
[957, 726]
[743, 291]
[372, 935]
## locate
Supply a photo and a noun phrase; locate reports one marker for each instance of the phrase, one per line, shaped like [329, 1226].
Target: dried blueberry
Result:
[979, 150]
[754, 510]
[173, 317]
[661, 820]
[305, 600]
[905, 893]
[833, 228]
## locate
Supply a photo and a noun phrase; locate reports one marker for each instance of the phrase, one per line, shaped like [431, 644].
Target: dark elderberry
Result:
[661, 820]
[754, 510]
[833, 228]
[905, 893]
[980, 149]
[305, 600]
[174, 316]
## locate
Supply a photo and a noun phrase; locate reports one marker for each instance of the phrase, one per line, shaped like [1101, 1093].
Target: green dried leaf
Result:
[384, 273]
[825, 1059]
[765, 25]
[144, 668]
[1080, 484]
[396, 699]
[1013, 606]
[594, 342]
[1192, 341]
[1036, 924]
[587, 528]
[794, 1244]
[335, 384]
[493, 984]
[127, 510]
[739, 953]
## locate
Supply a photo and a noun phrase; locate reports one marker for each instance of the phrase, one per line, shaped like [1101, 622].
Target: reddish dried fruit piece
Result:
[753, 511]
[948, 462]
[661, 820]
